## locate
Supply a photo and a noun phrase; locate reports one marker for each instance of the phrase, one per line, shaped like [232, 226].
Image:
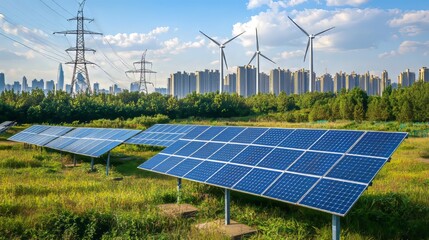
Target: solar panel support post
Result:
[179, 187]
[74, 160]
[107, 164]
[227, 208]
[92, 164]
[336, 228]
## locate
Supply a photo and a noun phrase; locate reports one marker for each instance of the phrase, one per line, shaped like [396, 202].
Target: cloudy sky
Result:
[369, 35]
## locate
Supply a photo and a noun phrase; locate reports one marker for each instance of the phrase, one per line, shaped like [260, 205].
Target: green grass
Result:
[41, 198]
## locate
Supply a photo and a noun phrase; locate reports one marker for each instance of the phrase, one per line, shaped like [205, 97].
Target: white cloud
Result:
[131, 39]
[274, 4]
[175, 46]
[353, 3]
[292, 54]
[407, 47]
[411, 23]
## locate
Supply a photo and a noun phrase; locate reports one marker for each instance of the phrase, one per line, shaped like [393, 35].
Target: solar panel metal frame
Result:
[40, 135]
[309, 149]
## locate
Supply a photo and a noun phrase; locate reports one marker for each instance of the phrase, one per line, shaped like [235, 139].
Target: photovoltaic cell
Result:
[273, 136]
[184, 167]
[175, 147]
[249, 135]
[228, 175]
[152, 162]
[280, 159]
[210, 133]
[228, 134]
[195, 132]
[207, 150]
[314, 163]
[302, 138]
[333, 196]
[167, 164]
[227, 152]
[380, 144]
[252, 155]
[162, 135]
[337, 141]
[257, 181]
[356, 168]
[190, 148]
[290, 187]
[203, 171]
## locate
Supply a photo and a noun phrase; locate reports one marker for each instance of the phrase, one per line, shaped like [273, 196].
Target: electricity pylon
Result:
[142, 70]
[80, 62]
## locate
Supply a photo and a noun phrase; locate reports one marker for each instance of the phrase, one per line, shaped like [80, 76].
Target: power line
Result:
[62, 7]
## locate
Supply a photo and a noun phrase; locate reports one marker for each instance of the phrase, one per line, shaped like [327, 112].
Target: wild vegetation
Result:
[409, 104]
[41, 198]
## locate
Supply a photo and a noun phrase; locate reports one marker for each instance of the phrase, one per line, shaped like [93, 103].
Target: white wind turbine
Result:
[310, 43]
[257, 55]
[222, 57]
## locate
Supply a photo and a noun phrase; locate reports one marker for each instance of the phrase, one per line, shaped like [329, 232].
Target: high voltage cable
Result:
[59, 5]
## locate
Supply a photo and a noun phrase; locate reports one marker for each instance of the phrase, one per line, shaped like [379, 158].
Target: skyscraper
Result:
[25, 87]
[60, 78]
[264, 83]
[231, 83]
[16, 87]
[384, 82]
[181, 84]
[339, 81]
[326, 83]
[37, 84]
[246, 80]
[424, 74]
[207, 81]
[406, 78]
[352, 81]
[135, 87]
[301, 81]
[2, 82]
[96, 87]
[50, 86]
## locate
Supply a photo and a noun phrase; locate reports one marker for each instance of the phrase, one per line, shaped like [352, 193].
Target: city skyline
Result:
[369, 36]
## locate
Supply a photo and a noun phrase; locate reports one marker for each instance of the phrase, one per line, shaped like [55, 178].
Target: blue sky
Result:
[369, 35]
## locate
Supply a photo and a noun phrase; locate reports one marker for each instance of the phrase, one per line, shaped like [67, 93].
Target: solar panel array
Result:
[6, 125]
[92, 142]
[161, 135]
[326, 170]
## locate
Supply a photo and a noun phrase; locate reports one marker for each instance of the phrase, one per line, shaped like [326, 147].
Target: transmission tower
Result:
[142, 70]
[80, 62]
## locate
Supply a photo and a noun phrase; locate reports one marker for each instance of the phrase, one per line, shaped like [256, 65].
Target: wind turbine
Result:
[257, 55]
[222, 57]
[310, 43]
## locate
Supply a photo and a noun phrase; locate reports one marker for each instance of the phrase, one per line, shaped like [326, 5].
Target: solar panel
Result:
[39, 135]
[6, 125]
[326, 170]
[163, 135]
[92, 142]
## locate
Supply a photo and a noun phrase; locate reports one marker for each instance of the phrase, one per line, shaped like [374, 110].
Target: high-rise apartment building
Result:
[406, 78]
[134, 87]
[68, 88]
[264, 83]
[424, 74]
[230, 85]
[2, 82]
[96, 87]
[50, 86]
[37, 84]
[16, 87]
[246, 81]
[339, 81]
[384, 82]
[352, 81]
[60, 78]
[207, 81]
[181, 84]
[301, 80]
[326, 83]
[25, 87]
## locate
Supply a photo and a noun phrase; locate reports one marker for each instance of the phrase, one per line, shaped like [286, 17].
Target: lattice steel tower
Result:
[142, 70]
[80, 62]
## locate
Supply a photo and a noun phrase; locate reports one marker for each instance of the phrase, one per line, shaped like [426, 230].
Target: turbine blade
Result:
[233, 38]
[306, 50]
[257, 40]
[254, 55]
[224, 59]
[324, 31]
[267, 58]
[299, 26]
[210, 38]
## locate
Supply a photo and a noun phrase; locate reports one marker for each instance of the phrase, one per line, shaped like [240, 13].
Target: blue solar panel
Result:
[197, 130]
[333, 196]
[210, 133]
[207, 150]
[273, 136]
[302, 138]
[152, 162]
[228, 134]
[356, 168]
[337, 141]
[184, 167]
[252, 155]
[39, 135]
[203, 171]
[290, 165]
[249, 135]
[167, 164]
[314, 163]
[227, 152]
[280, 158]
[228, 175]
[163, 135]
[290, 187]
[379, 144]
[257, 181]
[189, 148]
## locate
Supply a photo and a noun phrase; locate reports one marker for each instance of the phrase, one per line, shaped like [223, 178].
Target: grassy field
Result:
[41, 198]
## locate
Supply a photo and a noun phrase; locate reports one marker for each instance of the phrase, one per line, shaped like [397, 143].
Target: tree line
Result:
[402, 104]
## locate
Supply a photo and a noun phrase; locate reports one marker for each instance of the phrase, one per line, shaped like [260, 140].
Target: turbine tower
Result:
[257, 55]
[310, 44]
[80, 62]
[142, 70]
[222, 57]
